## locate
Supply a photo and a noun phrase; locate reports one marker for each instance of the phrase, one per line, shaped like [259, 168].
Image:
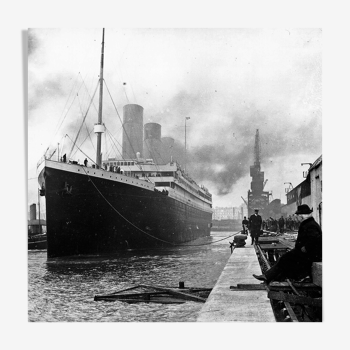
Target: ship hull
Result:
[90, 211]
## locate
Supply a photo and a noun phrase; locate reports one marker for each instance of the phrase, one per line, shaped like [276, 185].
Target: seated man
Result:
[308, 249]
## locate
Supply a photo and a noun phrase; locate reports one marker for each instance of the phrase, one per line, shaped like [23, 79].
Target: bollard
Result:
[287, 319]
[181, 285]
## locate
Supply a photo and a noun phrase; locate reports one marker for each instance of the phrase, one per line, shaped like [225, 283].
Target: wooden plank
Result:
[179, 294]
[316, 273]
[268, 240]
[242, 286]
[272, 246]
[124, 290]
[295, 299]
[287, 243]
[134, 301]
[291, 313]
[129, 295]
[284, 286]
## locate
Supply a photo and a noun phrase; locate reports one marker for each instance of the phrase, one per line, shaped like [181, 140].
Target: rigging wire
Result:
[89, 135]
[119, 116]
[58, 127]
[126, 95]
[114, 146]
[83, 152]
[91, 98]
[121, 123]
[113, 143]
[78, 147]
[157, 168]
[83, 121]
[121, 155]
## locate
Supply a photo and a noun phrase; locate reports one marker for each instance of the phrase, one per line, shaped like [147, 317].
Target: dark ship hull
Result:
[93, 211]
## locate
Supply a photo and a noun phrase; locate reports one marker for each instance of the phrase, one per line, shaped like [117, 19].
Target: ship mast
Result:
[99, 127]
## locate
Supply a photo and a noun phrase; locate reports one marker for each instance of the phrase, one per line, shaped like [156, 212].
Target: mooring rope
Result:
[174, 244]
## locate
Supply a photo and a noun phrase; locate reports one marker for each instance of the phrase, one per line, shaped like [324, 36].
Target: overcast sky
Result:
[230, 82]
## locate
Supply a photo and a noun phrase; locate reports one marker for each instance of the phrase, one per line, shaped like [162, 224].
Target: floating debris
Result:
[154, 294]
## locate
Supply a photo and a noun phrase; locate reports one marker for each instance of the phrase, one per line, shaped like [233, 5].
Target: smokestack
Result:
[32, 214]
[153, 144]
[132, 131]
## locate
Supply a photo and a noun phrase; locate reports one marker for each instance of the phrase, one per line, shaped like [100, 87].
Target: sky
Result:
[229, 82]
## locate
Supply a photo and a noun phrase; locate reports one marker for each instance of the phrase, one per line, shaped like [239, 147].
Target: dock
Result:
[225, 304]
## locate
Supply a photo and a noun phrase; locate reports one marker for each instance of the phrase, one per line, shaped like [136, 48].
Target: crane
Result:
[257, 150]
[264, 183]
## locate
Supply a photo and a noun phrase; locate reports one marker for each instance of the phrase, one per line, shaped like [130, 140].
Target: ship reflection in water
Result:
[64, 289]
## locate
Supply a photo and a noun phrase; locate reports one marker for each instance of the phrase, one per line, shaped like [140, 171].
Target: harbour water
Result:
[63, 290]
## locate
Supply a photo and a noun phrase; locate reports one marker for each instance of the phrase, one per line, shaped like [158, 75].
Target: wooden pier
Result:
[239, 297]
[231, 299]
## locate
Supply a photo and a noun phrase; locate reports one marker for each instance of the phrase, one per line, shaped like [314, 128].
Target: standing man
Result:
[255, 222]
[245, 224]
[308, 249]
[281, 224]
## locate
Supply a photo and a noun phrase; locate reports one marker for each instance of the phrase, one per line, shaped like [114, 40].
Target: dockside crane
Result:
[257, 197]
[264, 183]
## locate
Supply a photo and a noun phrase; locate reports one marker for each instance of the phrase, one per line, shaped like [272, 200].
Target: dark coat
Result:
[295, 263]
[310, 237]
[245, 222]
[255, 222]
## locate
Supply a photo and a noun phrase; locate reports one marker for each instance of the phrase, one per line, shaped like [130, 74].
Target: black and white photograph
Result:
[173, 191]
[176, 174]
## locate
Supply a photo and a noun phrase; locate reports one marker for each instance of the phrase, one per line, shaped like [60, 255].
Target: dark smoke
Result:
[33, 42]
[226, 149]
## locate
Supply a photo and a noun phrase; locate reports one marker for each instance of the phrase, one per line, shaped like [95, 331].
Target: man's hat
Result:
[303, 209]
[256, 209]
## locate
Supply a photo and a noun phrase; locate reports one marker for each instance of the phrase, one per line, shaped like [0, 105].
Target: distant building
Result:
[307, 192]
[35, 226]
[221, 213]
[229, 213]
[243, 211]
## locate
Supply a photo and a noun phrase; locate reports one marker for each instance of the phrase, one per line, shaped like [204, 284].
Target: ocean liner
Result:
[132, 202]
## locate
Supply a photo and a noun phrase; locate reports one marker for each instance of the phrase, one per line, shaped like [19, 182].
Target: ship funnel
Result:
[132, 131]
[32, 213]
[152, 144]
